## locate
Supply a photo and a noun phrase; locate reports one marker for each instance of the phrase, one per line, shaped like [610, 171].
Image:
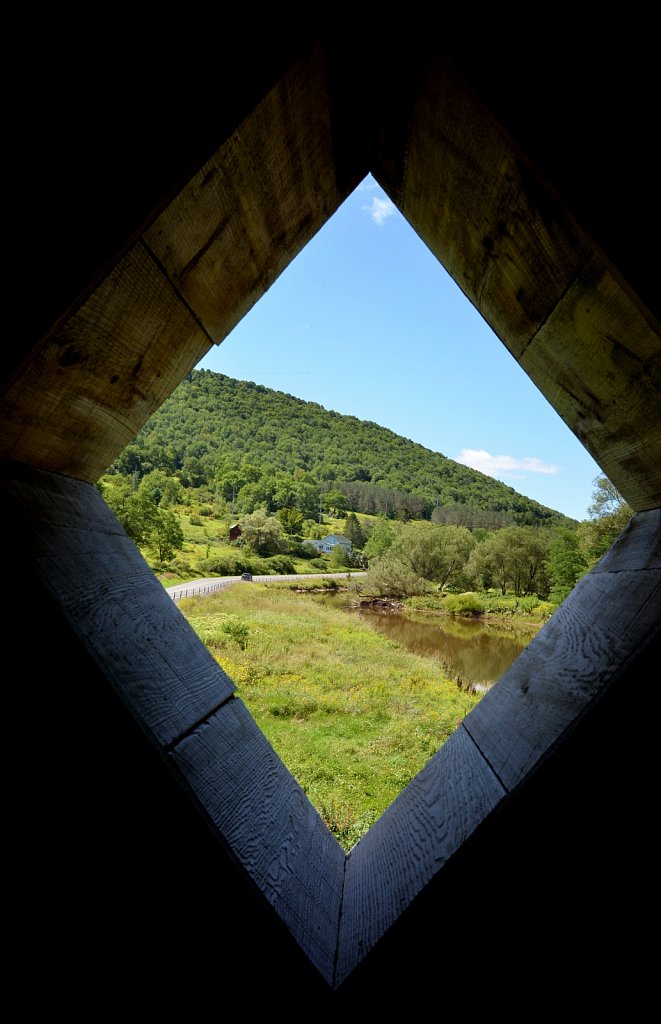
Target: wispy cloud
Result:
[503, 465]
[380, 209]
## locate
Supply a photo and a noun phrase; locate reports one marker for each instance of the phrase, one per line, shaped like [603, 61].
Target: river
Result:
[471, 651]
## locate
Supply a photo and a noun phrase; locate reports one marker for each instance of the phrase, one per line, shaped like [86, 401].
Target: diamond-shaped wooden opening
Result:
[169, 817]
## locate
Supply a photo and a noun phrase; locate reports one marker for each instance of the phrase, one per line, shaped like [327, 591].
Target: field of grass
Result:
[352, 715]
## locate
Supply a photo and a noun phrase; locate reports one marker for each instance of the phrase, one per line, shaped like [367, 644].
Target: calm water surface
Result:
[475, 652]
[478, 654]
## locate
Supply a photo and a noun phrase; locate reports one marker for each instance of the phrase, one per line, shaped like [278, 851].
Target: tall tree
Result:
[354, 531]
[291, 519]
[512, 559]
[166, 535]
[262, 533]
[608, 514]
[382, 536]
[565, 565]
[437, 554]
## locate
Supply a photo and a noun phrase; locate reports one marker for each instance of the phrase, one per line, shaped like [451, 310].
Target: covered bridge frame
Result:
[165, 854]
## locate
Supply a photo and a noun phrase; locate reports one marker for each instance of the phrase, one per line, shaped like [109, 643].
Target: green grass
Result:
[205, 543]
[352, 715]
[529, 609]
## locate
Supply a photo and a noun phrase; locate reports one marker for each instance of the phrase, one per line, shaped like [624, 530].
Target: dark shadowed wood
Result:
[206, 260]
[515, 225]
[596, 334]
[411, 842]
[570, 664]
[121, 354]
[240, 221]
[637, 547]
[258, 810]
[514, 249]
[116, 606]
[66, 502]
[482, 212]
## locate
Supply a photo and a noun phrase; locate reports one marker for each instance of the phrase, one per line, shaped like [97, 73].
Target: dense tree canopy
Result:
[249, 447]
[608, 515]
[278, 465]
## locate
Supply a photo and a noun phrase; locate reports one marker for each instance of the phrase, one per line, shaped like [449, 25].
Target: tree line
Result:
[403, 557]
[241, 447]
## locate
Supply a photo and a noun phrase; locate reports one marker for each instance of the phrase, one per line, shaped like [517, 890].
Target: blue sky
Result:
[366, 322]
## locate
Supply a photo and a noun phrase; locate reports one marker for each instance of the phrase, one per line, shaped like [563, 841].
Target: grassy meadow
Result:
[352, 715]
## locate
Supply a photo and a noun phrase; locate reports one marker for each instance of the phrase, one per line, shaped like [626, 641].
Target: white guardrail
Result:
[197, 588]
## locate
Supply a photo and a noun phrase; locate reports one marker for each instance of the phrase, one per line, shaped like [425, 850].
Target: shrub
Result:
[544, 610]
[464, 604]
[227, 565]
[280, 564]
[299, 549]
[182, 567]
[237, 631]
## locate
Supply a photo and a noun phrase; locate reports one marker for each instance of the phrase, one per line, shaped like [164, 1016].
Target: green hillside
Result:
[252, 447]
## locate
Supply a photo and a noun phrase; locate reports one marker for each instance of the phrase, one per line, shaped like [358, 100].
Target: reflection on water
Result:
[466, 648]
[470, 651]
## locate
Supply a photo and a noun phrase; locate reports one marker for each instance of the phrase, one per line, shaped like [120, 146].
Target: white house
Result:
[326, 545]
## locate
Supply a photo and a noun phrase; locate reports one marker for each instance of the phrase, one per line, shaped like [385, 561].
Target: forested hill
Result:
[258, 448]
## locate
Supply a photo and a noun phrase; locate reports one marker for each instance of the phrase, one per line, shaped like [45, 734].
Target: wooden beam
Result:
[114, 604]
[261, 814]
[611, 615]
[410, 844]
[211, 254]
[553, 298]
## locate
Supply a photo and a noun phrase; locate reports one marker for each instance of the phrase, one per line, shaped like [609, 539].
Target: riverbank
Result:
[353, 714]
[503, 610]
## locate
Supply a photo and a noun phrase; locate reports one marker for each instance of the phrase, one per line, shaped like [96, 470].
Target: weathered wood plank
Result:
[411, 842]
[62, 501]
[263, 816]
[240, 221]
[543, 286]
[115, 605]
[595, 338]
[568, 666]
[478, 207]
[637, 547]
[91, 385]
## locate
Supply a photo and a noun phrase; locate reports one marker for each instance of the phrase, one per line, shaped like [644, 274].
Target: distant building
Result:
[235, 532]
[326, 545]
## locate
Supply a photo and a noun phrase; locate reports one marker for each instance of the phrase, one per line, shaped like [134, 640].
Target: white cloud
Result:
[503, 465]
[380, 209]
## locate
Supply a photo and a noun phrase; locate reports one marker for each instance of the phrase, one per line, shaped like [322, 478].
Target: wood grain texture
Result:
[568, 666]
[491, 224]
[410, 844]
[543, 286]
[595, 339]
[637, 547]
[97, 378]
[241, 220]
[115, 605]
[60, 500]
[262, 815]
